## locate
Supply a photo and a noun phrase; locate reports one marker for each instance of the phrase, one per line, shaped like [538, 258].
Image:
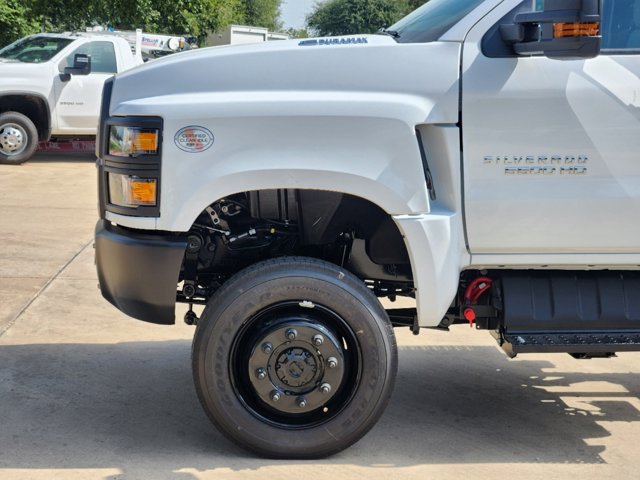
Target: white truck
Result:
[481, 157]
[50, 87]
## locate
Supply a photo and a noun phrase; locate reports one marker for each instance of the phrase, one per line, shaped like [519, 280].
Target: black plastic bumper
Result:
[138, 272]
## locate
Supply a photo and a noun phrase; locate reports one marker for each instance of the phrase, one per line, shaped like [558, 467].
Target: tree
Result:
[262, 13]
[346, 17]
[15, 21]
[127, 14]
[194, 17]
[63, 15]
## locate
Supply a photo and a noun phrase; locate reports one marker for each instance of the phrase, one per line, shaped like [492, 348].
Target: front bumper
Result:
[138, 272]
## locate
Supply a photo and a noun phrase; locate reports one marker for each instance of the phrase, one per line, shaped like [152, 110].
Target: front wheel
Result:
[18, 138]
[294, 358]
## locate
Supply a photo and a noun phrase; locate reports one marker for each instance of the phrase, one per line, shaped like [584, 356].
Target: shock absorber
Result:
[189, 287]
[191, 265]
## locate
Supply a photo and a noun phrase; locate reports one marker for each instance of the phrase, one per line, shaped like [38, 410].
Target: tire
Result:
[268, 317]
[18, 138]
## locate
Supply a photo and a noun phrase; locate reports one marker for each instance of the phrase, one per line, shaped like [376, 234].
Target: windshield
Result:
[429, 22]
[34, 49]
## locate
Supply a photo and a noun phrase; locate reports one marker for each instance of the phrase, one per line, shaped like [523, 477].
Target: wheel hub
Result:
[302, 370]
[296, 366]
[12, 139]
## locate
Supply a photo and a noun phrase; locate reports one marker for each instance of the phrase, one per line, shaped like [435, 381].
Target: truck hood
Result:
[32, 78]
[364, 64]
[14, 68]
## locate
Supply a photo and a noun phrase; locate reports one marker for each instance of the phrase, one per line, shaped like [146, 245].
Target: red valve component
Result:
[471, 295]
[470, 315]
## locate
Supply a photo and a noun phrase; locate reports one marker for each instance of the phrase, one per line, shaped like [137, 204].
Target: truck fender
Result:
[36, 108]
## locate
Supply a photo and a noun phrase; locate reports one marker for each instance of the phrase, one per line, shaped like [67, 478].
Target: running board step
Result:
[588, 312]
[584, 344]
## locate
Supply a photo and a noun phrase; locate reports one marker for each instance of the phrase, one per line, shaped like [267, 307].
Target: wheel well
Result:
[32, 106]
[242, 229]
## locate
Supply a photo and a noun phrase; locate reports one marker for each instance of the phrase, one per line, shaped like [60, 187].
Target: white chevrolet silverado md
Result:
[50, 86]
[482, 157]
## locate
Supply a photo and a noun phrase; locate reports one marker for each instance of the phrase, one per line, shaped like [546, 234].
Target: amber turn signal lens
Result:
[130, 191]
[580, 29]
[145, 141]
[133, 141]
[143, 192]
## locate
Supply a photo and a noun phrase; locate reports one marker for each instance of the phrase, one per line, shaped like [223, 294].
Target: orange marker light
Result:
[580, 29]
[143, 191]
[133, 141]
[146, 141]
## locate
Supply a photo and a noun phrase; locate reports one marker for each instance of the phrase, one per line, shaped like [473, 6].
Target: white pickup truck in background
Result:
[49, 88]
[51, 84]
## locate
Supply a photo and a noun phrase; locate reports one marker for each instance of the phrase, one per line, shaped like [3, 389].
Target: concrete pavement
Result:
[46, 210]
[87, 393]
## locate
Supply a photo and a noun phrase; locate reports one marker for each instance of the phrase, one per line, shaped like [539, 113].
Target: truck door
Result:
[78, 100]
[552, 147]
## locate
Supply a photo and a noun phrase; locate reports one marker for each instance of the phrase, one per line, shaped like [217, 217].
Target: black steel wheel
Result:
[18, 138]
[294, 358]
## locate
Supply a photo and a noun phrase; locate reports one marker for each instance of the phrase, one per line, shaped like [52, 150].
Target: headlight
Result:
[132, 191]
[132, 141]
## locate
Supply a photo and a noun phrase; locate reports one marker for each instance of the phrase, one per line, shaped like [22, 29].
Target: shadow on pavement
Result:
[132, 406]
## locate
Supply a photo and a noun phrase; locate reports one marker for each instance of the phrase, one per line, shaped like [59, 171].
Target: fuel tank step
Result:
[568, 342]
[590, 312]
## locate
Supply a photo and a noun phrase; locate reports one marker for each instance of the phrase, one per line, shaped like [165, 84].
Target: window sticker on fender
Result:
[194, 139]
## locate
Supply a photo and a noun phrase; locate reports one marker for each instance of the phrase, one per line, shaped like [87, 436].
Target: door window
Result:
[103, 56]
[621, 25]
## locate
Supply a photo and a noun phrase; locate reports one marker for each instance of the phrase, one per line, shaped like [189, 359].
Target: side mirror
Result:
[568, 29]
[81, 65]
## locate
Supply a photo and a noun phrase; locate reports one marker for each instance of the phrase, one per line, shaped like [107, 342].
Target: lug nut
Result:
[325, 388]
[332, 362]
[261, 374]
[318, 340]
[267, 348]
[275, 396]
[291, 334]
[302, 402]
